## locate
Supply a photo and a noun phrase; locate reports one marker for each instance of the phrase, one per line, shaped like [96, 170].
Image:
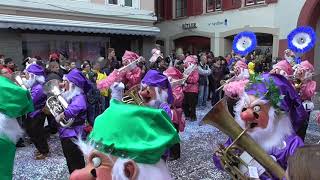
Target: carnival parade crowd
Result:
[123, 116]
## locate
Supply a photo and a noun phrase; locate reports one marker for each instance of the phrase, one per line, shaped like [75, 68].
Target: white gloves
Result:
[117, 90]
[189, 70]
[308, 105]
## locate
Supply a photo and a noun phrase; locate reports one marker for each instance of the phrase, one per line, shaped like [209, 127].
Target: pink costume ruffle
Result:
[133, 77]
[308, 90]
[178, 118]
[106, 83]
[235, 89]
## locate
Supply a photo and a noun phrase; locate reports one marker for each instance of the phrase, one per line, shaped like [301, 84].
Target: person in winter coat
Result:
[204, 73]
[191, 89]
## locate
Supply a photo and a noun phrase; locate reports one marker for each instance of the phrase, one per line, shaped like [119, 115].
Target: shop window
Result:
[214, 5]
[181, 8]
[254, 2]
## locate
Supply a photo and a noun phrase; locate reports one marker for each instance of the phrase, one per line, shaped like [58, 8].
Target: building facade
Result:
[79, 29]
[211, 24]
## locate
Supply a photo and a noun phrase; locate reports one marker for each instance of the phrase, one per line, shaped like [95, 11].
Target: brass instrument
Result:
[56, 103]
[227, 81]
[18, 79]
[132, 96]
[131, 66]
[220, 117]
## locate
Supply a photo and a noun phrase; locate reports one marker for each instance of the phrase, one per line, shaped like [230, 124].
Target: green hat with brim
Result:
[14, 100]
[134, 132]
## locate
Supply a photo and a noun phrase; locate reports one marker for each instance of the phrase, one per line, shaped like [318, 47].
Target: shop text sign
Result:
[219, 23]
[189, 26]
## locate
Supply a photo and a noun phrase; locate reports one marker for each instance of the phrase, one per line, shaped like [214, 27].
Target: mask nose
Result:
[247, 115]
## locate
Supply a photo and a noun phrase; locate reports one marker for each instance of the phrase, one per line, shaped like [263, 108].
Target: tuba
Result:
[18, 79]
[132, 96]
[56, 103]
[220, 117]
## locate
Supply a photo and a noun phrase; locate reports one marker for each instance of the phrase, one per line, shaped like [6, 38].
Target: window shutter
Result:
[271, 1]
[167, 9]
[190, 8]
[230, 4]
[197, 7]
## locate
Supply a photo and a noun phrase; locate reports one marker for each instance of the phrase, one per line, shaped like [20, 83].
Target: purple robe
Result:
[166, 108]
[38, 99]
[77, 109]
[292, 143]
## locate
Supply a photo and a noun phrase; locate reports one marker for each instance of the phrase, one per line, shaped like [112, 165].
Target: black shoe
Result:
[20, 143]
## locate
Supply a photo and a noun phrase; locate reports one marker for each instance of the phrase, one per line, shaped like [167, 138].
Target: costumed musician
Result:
[14, 102]
[34, 123]
[272, 112]
[75, 87]
[121, 149]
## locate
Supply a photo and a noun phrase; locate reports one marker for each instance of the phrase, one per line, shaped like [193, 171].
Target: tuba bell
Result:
[19, 79]
[132, 96]
[56, 103]
[220, 117]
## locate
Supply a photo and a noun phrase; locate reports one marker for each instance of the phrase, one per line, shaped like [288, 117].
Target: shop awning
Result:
[49, 24]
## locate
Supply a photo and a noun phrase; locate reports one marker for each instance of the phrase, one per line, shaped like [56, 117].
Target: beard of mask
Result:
[278, 128]
[72, 92]
[161, 97]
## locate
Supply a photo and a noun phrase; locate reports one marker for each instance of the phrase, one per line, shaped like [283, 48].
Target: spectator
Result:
[8, 63]
[53, 73]
[204, 72]
[104, 103]
[93, 94]
[112, 62]
[218, 72]
[1, 61]
[5, 72]
[73, 65]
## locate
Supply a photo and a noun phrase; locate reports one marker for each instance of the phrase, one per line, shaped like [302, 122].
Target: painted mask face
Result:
[255, 114]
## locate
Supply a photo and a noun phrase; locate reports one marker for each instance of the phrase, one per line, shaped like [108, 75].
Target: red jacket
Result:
[192, 82]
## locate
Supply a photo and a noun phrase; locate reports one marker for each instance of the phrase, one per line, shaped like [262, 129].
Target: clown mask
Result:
[153, 96]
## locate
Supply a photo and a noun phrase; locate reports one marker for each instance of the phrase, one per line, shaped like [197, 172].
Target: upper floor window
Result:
[113, 2]
[128, 3]
[254, 2]
[213, 5]
[181, 8]
[159, 9]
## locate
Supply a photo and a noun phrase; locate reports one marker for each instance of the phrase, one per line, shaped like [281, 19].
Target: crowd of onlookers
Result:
[212, 70]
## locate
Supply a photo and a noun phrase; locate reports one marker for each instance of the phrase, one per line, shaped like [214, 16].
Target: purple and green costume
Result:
[281, 95]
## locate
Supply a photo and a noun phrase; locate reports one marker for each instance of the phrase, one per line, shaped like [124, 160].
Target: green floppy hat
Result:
[14, 101]
[135, 132]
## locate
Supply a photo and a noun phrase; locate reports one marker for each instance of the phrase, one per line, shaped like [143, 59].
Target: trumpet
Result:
[18, 78]
[227, 81]
[56, 103]
[131, 65]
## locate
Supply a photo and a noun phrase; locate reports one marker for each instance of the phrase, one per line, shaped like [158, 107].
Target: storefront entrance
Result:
[193, 44]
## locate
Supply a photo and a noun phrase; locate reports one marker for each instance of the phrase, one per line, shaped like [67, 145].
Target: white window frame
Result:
[135, 4]
[255, 3]
[218, 9]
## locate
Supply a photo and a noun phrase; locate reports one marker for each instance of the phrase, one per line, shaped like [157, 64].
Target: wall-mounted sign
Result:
[189, 26]
[219, 23]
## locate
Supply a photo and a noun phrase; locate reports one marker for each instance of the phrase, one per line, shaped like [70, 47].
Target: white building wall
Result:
[277, 19]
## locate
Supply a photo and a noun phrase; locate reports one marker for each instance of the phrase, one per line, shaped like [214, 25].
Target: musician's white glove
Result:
[189, 70]
[308, 105]
[117, 89]
[60, 117]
